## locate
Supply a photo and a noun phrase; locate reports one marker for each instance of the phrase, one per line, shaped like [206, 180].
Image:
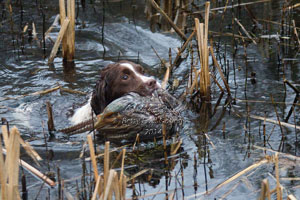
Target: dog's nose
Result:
[152, 84]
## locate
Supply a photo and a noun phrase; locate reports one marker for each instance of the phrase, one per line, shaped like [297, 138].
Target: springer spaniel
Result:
[115, 81]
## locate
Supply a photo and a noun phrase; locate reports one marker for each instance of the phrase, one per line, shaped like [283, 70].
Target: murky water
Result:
[200, 165]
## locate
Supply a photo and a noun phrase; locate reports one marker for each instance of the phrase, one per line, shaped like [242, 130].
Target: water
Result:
[196, 167]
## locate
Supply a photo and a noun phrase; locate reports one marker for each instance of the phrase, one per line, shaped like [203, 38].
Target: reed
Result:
[265, 190]
[50, 117]
[203, 52]
[66, 35]
[108, 184]
[69, 53]
[9, 168]
[60, 36]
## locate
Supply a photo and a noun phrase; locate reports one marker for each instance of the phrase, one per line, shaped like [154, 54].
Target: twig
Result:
[292, 86]
[244, 30]
[219, 68]
[175, 63]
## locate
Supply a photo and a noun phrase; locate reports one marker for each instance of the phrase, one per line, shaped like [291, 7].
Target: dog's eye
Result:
[125, 77]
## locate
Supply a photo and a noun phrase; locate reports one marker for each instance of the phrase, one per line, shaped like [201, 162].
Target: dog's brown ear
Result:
[99, 98]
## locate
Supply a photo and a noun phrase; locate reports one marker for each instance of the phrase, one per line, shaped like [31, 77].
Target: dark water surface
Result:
[200, 165]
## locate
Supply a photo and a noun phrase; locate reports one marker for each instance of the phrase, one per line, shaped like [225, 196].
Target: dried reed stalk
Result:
[30, 152]
[11, 166]
[62, 14]
[294, 6]
[216, 81]
[50, 117]
[93, 157]
[43, 92]
[175, 149]
[265, 190]
[60, 36]
[2, 173]
[291, 197]
[111, 183]
[122, 174]
[176, 63]
[202, 37]
[251, 167]
[166, 78]
[108, 185]
[244, 30]
[137, 175]
[28, 148]
[55, 22]
[234, 6]
[97, 188]
[289, 156]
[275, 122]
[69, 53]
[278, 187]
[219, 68]
[106, 165]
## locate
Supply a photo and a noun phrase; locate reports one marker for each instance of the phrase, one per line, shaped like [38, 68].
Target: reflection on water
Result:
[203, 161]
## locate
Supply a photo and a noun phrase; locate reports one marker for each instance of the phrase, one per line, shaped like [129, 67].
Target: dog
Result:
[116, 80]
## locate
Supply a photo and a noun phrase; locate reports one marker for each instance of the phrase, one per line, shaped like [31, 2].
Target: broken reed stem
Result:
[2, 173]
[97, 188]
[93, 156]
[244, 30]
[109, 181]
[69, 53]
[232, 6]
[216, 81]
[60, 36]
[62, 14]
[28, 148]
[122, 174]
[177, 58]
[43, 92]
[219, 68]
[35, 171]
[202, 37]
[274, 121]
[50, 117]
[166, 78]
[278, 187]
[292, 86]
[55, 22]
[33, 94]
[255, 165]
[265, 190]
[12, 166]
[107, 187]
[296, 33]
[106, 164]
[174, 150]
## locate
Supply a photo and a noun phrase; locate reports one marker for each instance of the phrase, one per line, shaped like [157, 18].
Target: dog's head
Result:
[119, 79]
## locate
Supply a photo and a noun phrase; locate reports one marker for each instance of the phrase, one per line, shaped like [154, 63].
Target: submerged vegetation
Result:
[236, 73]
